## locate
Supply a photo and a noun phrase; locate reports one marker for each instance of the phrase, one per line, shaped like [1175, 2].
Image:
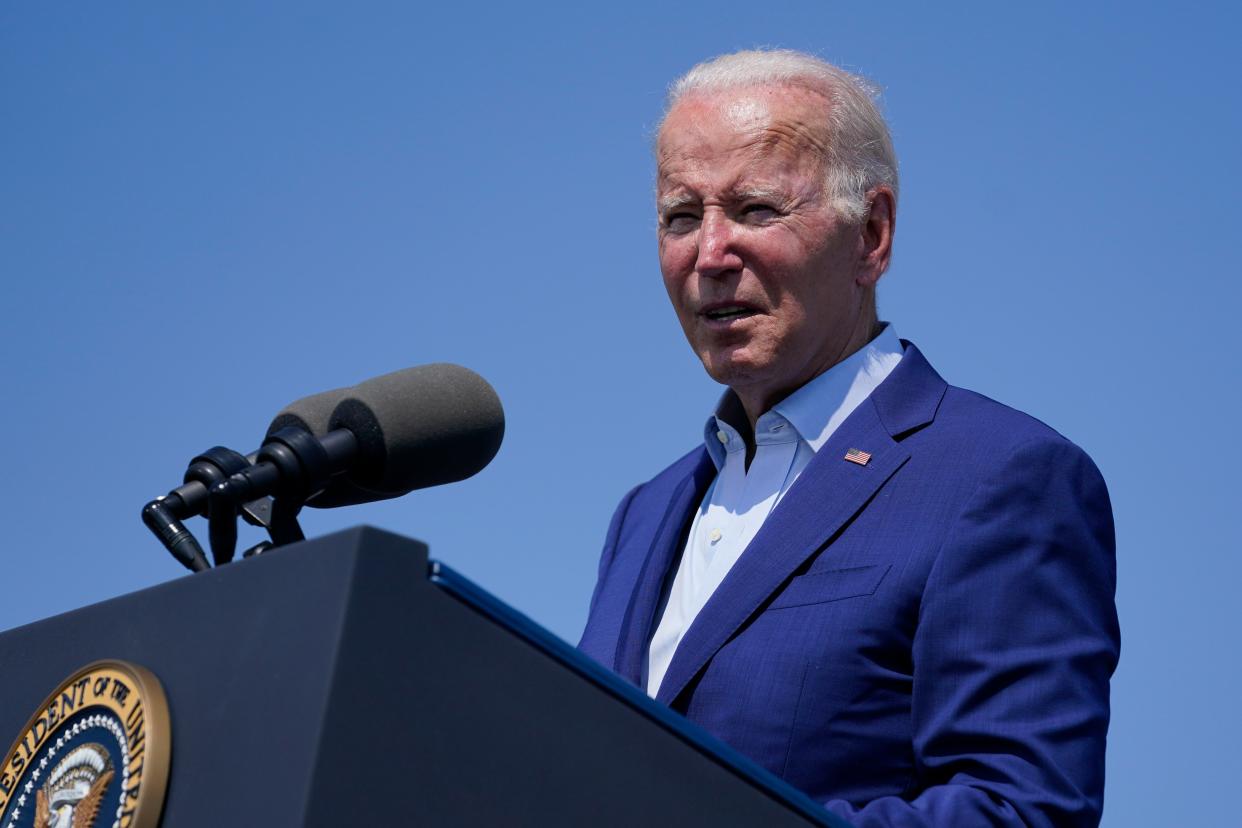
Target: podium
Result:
[348, 680]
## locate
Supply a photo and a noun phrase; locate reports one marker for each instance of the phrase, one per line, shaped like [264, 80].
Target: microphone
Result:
[380, 439]
[313, 414]
[419, 427]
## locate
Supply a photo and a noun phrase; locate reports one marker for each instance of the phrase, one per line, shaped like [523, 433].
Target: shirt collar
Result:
[816, 409]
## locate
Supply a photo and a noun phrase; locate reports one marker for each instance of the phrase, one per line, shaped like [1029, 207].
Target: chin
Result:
[733, 370]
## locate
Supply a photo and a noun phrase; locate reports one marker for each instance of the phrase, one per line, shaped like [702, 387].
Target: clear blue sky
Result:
[209, 210]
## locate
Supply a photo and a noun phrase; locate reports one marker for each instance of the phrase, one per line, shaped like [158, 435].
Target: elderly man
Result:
[891, 592]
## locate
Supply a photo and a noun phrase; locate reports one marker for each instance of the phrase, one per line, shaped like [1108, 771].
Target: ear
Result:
[876, 235]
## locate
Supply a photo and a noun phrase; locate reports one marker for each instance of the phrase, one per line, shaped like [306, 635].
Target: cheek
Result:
[676, 266]
[681, 296]
[677, 255]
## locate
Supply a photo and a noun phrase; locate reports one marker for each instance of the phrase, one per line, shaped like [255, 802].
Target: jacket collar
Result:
[909, 398]
[800, 526]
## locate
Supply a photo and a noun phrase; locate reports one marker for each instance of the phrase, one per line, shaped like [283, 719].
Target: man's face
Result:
[770, 286]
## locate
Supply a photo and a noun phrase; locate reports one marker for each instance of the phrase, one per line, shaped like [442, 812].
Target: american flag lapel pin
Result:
[858, 456]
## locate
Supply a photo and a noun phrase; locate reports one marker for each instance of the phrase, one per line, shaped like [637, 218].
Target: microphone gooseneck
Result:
[423, 426]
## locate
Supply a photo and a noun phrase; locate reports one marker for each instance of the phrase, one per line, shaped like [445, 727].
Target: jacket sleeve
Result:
[1017, 638]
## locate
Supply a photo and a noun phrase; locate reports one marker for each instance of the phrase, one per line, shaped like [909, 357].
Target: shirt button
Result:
[722, 437]
[715, 535]
[777, 427]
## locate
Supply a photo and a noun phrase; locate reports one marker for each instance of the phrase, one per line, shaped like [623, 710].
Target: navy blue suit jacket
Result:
[923, 640]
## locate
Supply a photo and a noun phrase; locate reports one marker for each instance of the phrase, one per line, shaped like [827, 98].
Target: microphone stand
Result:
[267, 489]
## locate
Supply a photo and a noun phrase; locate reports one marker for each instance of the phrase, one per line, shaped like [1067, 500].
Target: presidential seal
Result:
[94, 755]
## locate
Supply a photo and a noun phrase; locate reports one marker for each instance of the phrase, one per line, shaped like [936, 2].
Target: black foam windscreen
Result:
[310, 413]
[314, 414]
[420, 427]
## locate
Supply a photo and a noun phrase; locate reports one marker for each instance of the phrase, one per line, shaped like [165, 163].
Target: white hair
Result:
[859, 153]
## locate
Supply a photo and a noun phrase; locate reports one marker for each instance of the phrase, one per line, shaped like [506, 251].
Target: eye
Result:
[759, 212]
[681, 222]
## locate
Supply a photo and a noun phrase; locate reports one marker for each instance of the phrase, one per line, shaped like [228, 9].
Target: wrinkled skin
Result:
[770, 285]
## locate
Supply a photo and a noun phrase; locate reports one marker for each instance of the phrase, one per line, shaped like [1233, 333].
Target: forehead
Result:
[741, 133]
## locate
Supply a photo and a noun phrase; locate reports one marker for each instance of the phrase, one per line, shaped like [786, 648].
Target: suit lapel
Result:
[828, 493]
[636, 629]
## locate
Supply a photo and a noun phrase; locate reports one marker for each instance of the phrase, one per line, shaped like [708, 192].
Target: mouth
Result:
[725, 312]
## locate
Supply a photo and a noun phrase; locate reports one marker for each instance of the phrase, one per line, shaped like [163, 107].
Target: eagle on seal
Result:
[75, 790]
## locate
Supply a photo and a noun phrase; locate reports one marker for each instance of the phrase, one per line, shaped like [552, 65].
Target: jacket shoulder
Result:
[991, 425]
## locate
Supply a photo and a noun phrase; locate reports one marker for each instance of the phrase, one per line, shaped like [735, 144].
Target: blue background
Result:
[208, 211]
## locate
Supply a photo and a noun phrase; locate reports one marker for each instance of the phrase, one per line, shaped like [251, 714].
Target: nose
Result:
[717, 255]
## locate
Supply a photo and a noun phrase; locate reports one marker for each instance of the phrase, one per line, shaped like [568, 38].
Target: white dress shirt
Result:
[740, 499]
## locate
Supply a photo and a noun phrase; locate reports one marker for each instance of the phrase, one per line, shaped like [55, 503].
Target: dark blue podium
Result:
[349, 681]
